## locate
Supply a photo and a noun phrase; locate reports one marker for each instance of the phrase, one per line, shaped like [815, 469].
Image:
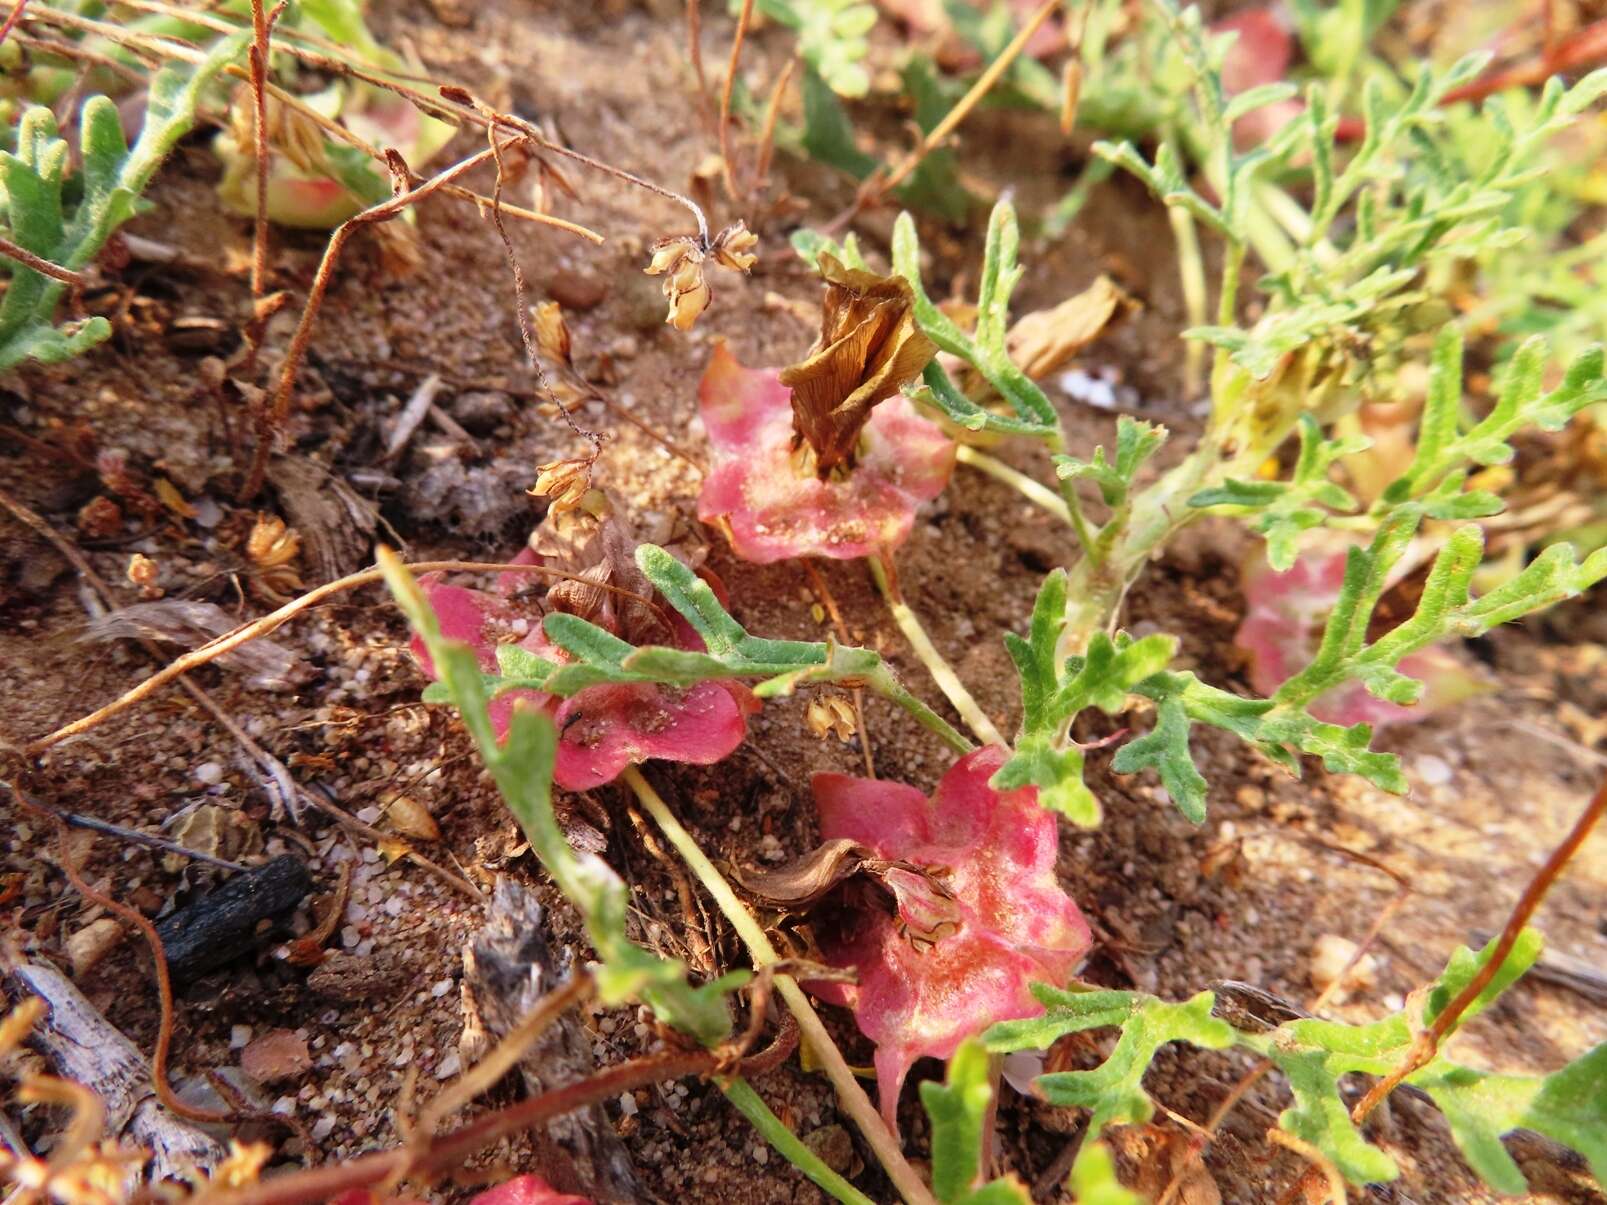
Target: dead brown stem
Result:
[726, 172]
[1427, 1043]
[272, 419]
[878, 184]
[767, 132]
[13, 15]
[246, 633]
[694, 51]
[44, 267]
[261, 29]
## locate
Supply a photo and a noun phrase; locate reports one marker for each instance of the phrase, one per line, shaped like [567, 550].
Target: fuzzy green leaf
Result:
[1136, 442]
[958, 1109]
[1114, 1091]
[112, 179]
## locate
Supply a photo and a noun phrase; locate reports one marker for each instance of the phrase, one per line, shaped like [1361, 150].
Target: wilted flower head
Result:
[869, 348]
[768, 497]
[681, 261]
[976, 913]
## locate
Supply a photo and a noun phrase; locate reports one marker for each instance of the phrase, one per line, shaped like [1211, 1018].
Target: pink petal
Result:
[526, 1190]
[775, 512]
[884, 815]
[1260, 54]
[606, 728]
[995, 854]
[602, 729]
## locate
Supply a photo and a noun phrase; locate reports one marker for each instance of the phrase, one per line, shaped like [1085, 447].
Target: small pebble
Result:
[627, 1104]
[1433, 771]
[239, 1036]
[210, 773]
[449, 1066]
[440, 988]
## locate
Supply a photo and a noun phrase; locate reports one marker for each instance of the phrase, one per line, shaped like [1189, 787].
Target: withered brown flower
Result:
[681, 261]
[869, 348]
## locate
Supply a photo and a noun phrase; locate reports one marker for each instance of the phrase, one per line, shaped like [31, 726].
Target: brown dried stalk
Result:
[229, 641]
[271, 420]
[1428, 1042]
[880, 183]
[743, 17]
[44, 267]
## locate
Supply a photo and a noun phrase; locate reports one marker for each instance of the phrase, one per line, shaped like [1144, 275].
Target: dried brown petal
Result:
[832, 714]
[733, 247]
[801, 883]
[552, 333]
[1042, 341]
[563, 483]
[869, 348]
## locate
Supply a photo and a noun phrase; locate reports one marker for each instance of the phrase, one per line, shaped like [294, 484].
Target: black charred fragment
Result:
[222, 925]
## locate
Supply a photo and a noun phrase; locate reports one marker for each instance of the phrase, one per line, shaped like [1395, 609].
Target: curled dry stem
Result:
[726, 172]
[272, 418]
[44, 267]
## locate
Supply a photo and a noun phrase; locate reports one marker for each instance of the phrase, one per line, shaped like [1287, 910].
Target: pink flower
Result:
[527, 1190]
[1283, 626]
[602, 729]
[966, 939]
[775, 507]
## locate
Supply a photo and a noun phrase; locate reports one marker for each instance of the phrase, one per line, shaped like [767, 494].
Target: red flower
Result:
[527, 1190]
[602, 729]
[775, 507]
[965, 940]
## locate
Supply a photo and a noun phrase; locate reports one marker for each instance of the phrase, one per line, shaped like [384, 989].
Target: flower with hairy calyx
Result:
[681, 261]
[603, 728]
[976, 915]
[826, 457]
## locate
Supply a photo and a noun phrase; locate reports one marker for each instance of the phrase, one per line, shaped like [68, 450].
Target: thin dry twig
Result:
[1320, 1163]
[1427, 1043]
[16, 12]
[694, 52]
[272, 418]
[726, 172]
[44, 267]
[229, 641]
[261, 30]
[767, 131]
[880, 183]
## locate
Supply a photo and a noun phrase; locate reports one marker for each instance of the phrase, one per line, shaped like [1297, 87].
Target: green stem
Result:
[748, 1102]
[1191, 273]
[886, 684]
[1032, 490]
[852, 1097]
[942, 673]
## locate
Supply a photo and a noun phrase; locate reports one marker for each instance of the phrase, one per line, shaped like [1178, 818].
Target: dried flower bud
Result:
[733, 247]
[563, 482]
[552, 333]
[681, 261]
[831, 714]
[273, 548]
[869, 348]
[145, 573]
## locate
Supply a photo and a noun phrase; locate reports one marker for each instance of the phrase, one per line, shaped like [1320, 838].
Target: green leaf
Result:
[828, 135]
[113, 176]
[1114, 1091]
[957, 1108]
[1136, 442]
[1283, 510]
[1053, 693]
[986, 351]
[1165, 749]
[1093, 1178]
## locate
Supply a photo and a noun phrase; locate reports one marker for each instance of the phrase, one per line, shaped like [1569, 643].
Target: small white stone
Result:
[761, 1155]
[350, 936]
[285, 1105]
[1330, 953]
[440, 988]
[369, 815]
[627, 1104]
[1433, 771]
[323, 1128]
[210, 773]
[449, 1066]
[239, 1037]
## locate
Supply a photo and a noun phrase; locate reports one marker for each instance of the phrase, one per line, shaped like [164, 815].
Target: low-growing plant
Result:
[60, 229]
